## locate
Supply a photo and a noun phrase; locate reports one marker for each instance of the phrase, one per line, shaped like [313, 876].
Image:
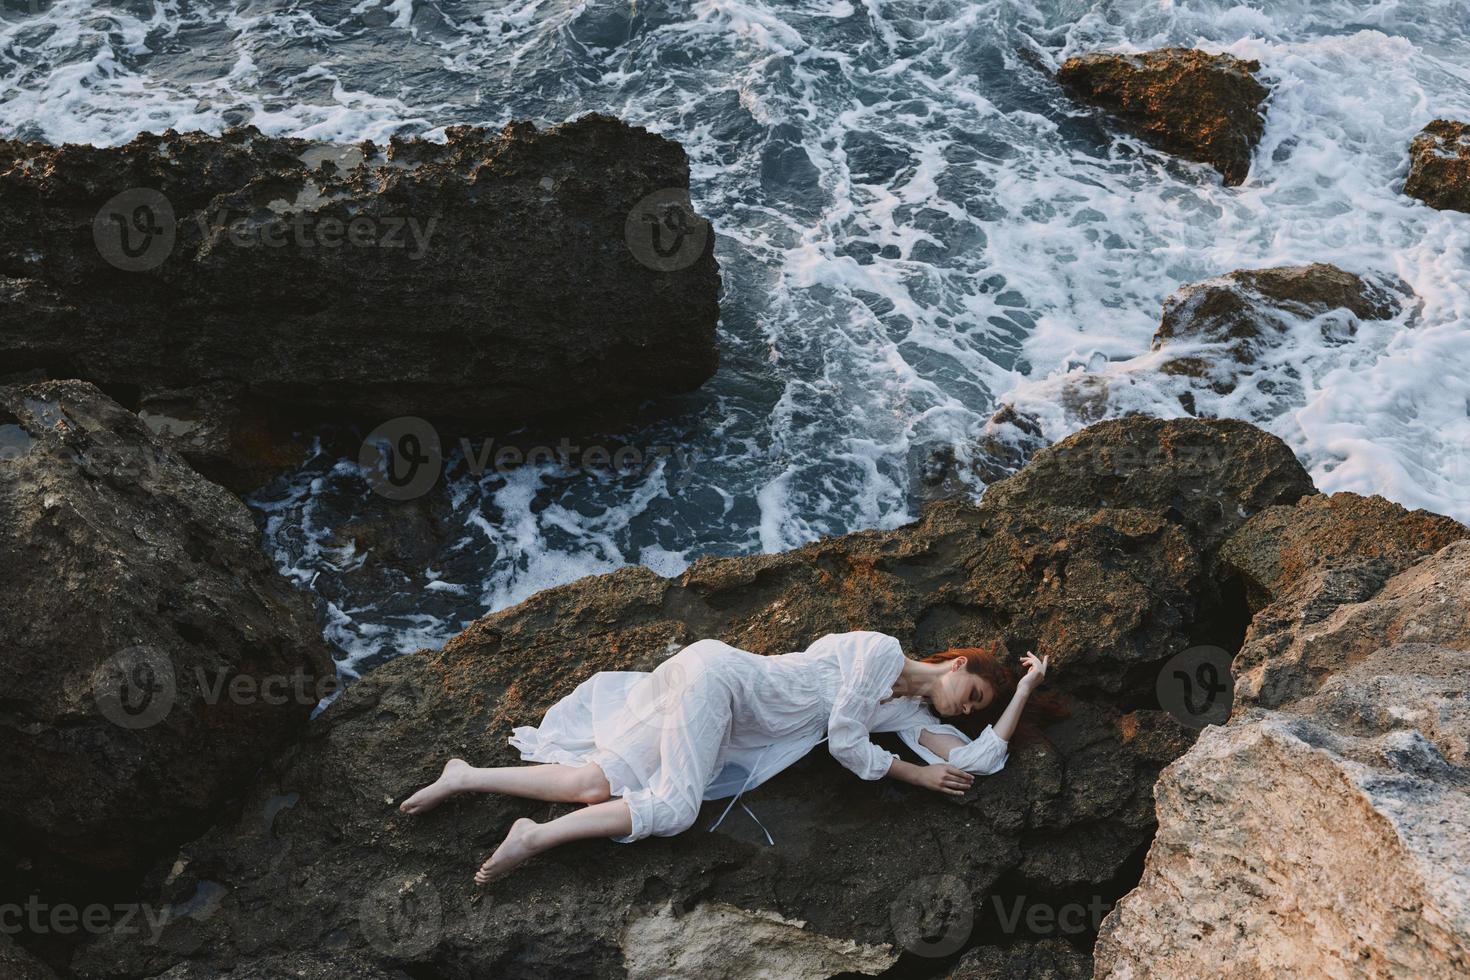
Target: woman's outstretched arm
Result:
[1035, 673]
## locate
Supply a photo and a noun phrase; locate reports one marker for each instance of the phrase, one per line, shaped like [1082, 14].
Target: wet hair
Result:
[989, 663]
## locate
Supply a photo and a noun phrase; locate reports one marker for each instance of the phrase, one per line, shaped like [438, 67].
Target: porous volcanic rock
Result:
[874, 872]
[235, 287]
[1203, 107]
[1439, 166]
[153, 658]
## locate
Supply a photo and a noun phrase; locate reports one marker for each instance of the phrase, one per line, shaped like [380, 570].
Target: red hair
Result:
[987, 662]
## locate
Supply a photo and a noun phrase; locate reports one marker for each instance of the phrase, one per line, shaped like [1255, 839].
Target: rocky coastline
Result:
[1131, 545]
[1264, 770]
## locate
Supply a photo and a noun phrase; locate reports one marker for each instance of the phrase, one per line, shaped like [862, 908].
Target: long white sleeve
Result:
[908, 717]
[871, 662]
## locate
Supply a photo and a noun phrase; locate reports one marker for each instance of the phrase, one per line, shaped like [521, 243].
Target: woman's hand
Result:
[1035, 672]
[944, 778]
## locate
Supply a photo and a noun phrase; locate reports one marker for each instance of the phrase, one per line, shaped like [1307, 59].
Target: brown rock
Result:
[141, 625]
[1281, 546]
[1309, 570]
[1242, 314]
[1203, 107]
[1439, 166]
[1108, 589]
[1207, 474]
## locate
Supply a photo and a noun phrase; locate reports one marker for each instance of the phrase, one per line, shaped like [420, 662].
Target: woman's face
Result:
[960, 692]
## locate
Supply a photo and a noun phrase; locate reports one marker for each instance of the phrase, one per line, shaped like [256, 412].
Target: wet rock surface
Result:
[1439, 166]
[1203, 107]
[152, 654]
[237, 287]
[875, 874]
[1240, 317]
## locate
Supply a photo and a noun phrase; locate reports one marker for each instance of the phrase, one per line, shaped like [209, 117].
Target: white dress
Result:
[714, 720]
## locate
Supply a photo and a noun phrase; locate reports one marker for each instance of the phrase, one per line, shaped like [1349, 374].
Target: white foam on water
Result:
[913, 223]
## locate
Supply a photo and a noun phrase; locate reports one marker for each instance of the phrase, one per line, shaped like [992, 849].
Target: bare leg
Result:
[527, 838]
[554, 783]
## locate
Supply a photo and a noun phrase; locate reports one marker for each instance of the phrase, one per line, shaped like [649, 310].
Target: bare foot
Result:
[511, 853]
[450, 782]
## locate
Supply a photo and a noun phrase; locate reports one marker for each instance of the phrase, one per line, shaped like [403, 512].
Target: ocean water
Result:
[914, 226]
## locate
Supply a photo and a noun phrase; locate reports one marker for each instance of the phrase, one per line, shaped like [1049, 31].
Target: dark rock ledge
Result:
[152, 657]
[236, 288]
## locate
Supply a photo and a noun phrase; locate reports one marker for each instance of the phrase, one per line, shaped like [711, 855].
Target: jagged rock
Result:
[232, 286]
[1240, 315]
[1279, 547]
[322, 856]
[1203, 107]
[1439, 166]
[1325, 820]
[1325, 839]
[153, 658]
[1309, 571]
[1050, 959]
[1207, 474]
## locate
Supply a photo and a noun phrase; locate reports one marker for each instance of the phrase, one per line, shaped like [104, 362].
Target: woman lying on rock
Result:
[643, 750]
